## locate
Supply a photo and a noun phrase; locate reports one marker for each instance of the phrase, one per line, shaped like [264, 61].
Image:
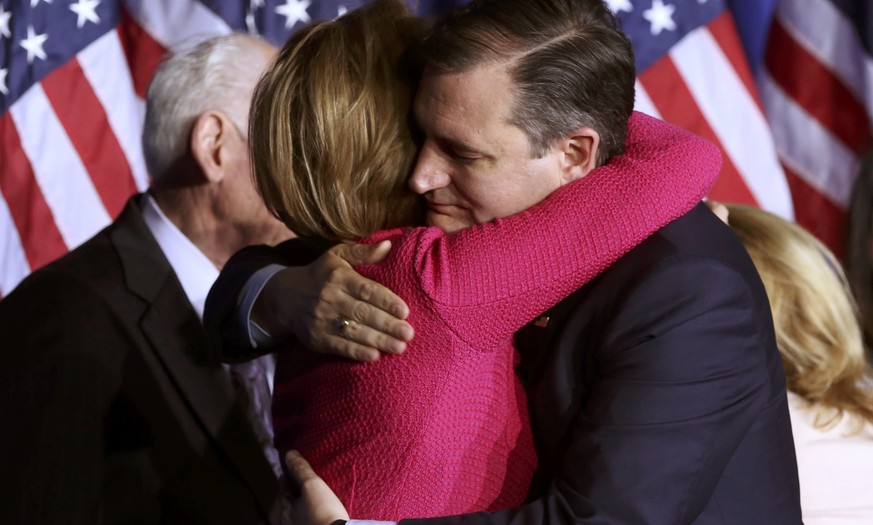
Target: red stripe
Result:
[818, 214]
[40, 237]
[75, 103]
[816, 89]
[143, 52]
[676, 104]
[725, 33]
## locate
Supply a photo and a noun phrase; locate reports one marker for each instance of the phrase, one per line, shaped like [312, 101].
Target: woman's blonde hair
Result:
[815, 317]
[329, 129]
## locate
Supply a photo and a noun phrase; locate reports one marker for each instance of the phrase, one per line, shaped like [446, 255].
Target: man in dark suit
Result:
[113, 403]
[656, 392]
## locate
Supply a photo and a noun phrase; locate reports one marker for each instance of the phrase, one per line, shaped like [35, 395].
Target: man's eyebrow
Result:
[459, 145]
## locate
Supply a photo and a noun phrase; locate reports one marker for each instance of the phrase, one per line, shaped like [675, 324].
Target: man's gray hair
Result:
[218, 74]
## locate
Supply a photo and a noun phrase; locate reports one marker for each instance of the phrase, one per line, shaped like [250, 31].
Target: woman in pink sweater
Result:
[442, 429]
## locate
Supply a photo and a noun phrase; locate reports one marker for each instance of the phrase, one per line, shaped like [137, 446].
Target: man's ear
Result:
[209, 135]
[579, 153]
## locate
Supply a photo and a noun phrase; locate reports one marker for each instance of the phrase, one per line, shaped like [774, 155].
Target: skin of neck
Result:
[193, 211]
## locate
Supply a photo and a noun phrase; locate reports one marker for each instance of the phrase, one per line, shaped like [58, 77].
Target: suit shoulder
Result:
[88, 279]
[695, 263]
[87, 266]
[696, 238]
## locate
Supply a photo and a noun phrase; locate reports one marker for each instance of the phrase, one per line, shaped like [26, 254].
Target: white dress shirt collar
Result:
[194, 270]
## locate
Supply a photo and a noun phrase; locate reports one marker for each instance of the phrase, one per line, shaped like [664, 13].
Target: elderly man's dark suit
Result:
[113, 405]
[656, 392]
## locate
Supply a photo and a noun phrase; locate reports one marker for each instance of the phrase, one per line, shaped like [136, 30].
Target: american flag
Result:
[73, 75]
[692, 71]
[817, 87]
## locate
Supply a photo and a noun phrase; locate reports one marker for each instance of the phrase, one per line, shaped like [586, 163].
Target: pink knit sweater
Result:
[444, 429]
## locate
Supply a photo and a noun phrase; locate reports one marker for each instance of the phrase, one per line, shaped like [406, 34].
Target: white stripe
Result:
[177, 24]
[106, 69]
[65, 184]
[643, 102]
[807, 147]
[826, 34]
[734, 117]
[13, 261]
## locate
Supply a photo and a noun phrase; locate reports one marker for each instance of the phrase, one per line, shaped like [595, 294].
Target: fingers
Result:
[298, 468]
[376, 315]
[374, 326]
[317, 504]
[375, 329]
[374, 294]
[369, 326]
[341, 346]
[362, 289]
[368, 332]
[356, 254]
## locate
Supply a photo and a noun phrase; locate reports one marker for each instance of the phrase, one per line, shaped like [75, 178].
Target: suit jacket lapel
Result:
[182, 346]
[555, 364]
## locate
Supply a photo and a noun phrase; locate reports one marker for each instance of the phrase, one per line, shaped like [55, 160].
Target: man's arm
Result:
[304, 298]
[683, 370]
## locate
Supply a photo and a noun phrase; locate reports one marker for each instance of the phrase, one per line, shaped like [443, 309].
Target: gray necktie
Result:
[250, 381]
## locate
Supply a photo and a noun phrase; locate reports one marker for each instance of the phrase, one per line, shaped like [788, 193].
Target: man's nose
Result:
[430, 172]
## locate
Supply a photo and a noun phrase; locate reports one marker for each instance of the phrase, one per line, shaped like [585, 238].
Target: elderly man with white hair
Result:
[115, 408]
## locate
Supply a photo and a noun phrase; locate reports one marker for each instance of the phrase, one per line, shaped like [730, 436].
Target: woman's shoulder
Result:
[847, 428]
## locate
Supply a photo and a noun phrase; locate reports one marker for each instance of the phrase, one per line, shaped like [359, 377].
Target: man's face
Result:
[244, 205]
[474, 166]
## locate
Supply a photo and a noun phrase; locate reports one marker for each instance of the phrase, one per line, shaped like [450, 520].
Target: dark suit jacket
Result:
[114, 407]
[657, 394]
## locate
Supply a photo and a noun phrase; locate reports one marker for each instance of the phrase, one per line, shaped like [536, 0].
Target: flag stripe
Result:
[825, 33]
[808, 148]
[13, 260]
[66, 186]
[712, 80]
[142, 51]
[827, 99]
[74, 102]
[39, 235]
[860, 15]
[105, 66]
[815, 212]
[817, 88]
[161, 21]
[724, 31]
[676, 104]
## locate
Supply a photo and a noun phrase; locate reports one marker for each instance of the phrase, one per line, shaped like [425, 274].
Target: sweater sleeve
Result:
[509, 270]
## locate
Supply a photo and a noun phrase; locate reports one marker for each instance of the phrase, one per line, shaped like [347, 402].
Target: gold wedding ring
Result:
[340, 326]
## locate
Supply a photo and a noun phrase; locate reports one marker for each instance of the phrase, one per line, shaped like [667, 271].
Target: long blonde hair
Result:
[330, 141]
[815, 317]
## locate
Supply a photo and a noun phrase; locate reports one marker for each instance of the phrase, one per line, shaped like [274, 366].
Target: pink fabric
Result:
[444, 429]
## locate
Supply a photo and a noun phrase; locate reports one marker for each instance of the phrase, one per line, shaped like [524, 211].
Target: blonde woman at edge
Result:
[830, 383]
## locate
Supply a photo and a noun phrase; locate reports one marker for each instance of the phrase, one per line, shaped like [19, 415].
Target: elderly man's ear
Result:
[578, 154]
[215, 141]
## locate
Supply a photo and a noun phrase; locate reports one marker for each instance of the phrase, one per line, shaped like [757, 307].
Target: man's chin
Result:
[446, 223]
